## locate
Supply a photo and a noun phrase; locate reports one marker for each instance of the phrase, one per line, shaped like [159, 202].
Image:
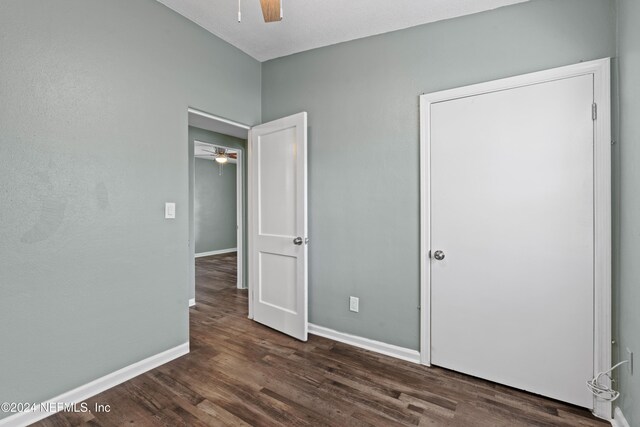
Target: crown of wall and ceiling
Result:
[309, 24]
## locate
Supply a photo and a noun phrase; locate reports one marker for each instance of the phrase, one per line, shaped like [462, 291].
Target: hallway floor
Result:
[242, 373]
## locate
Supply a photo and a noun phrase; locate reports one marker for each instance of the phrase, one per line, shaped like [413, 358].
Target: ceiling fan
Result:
[221, 155]
[271, 10]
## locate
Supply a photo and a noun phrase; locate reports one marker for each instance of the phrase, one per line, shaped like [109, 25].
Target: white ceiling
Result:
[309, 24]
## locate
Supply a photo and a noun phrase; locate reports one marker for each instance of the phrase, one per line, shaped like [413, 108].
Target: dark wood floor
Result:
[242, 373]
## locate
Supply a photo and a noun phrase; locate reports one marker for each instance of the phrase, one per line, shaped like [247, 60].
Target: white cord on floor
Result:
[602, 391]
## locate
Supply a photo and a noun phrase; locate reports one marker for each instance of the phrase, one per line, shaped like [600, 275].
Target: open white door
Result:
[278, 225]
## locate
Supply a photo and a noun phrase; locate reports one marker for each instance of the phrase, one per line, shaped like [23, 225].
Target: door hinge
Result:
[594, 111]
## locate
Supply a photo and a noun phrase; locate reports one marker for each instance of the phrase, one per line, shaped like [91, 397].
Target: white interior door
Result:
[278, 225]
[512, 212]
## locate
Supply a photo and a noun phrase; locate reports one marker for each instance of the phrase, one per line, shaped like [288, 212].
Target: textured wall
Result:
[215, 206]
[628, 215]
[93, 142]
[362, 100]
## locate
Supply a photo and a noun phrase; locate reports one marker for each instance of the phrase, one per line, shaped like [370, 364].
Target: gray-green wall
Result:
[93, 142]
[197, 134]
[628, 215]
[362, 100]
[214, 206]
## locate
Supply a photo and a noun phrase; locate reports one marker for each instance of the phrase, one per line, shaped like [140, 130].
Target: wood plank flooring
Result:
[241, 373]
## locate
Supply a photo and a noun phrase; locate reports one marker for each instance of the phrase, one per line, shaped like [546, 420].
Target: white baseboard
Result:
[372, 345]
[618, 419]
[221, 251]
[192, 302]
[97, 386]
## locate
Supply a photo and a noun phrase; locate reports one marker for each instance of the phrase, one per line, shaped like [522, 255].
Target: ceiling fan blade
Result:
[271, 10]
[218, 152]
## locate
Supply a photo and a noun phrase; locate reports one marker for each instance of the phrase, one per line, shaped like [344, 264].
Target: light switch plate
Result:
[169, 210]
[354, 303]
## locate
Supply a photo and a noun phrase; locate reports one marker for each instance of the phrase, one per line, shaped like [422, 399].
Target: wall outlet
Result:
[630, 358]
[354, 304]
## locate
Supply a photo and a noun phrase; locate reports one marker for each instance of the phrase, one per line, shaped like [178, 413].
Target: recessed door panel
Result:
[277, 180]
[278, 276]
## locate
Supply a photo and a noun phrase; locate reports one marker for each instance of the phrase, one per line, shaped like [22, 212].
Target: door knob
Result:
[297, 241]
[439, 255]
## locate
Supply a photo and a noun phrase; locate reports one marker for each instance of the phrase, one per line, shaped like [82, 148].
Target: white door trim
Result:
[601, 71]
[239, 210]
[239, 217]
[218, 118]
[250, 173]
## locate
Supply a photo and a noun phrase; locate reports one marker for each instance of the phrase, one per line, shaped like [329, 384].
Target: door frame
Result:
[601, 71]
[249, 222]
[239, 208]
[229, 127]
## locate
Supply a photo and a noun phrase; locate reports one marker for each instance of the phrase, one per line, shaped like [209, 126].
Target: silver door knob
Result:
[439, 255]
[297, 241]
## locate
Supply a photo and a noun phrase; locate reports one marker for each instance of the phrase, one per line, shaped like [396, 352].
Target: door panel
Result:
[277, 181]
[278, 216]
[512, 209]
[277, 280]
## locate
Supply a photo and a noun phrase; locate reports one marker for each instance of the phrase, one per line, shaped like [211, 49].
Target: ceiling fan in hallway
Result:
[271, 10]
[222, 155]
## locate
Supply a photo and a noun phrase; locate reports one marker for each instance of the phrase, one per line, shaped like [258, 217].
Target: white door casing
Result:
[240, 284]
[523, 294]
[278, 225]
